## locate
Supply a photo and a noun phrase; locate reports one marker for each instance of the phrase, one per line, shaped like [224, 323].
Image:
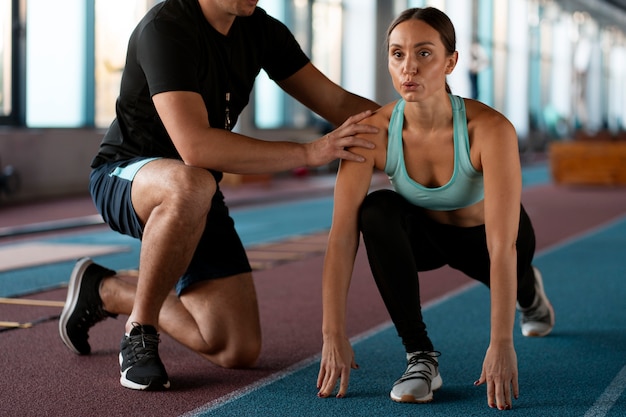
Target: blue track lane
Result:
[579, 370]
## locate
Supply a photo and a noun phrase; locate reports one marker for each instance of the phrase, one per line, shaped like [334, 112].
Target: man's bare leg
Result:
[218, 319]
[172, 200]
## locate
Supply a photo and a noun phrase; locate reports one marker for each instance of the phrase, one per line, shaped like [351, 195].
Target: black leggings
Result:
[401, 240]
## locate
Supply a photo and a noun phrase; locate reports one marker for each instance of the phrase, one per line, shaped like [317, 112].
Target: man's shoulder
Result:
[262, 19]
[167, 21]
[173, 14]
[175, 9]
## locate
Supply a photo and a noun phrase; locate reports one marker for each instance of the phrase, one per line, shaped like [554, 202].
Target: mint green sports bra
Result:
[466, 184]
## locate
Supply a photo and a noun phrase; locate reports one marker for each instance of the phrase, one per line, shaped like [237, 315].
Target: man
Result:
[190, 68]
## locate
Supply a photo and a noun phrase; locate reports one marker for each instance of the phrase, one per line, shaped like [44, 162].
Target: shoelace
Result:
[144, 346]
[426, 358]
[536, 313]
[91, 317]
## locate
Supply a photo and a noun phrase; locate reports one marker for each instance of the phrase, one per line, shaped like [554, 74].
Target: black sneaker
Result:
[140, 365]
[83, 306]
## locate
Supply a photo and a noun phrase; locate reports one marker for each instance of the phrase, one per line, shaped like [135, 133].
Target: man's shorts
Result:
[219, 253]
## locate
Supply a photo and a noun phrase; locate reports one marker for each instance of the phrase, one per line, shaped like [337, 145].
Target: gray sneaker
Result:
[419, 380]
[538, 319]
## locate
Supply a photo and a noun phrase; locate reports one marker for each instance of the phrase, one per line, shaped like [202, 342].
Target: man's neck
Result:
[214, 13]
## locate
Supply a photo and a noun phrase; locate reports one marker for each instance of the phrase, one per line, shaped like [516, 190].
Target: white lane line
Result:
[242, 392]
[608, 398]
[235, 395]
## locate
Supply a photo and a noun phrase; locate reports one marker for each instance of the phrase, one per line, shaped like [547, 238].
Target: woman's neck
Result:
[429, 115]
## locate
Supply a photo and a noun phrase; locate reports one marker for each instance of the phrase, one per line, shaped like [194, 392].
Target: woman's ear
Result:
[451, 62]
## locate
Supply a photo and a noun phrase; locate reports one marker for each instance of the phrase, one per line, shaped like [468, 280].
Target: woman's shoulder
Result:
[382, 115]
[483, 117]
[379, 119]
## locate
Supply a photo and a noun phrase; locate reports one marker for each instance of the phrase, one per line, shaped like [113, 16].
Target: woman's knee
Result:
[374, 204]
[378, 208]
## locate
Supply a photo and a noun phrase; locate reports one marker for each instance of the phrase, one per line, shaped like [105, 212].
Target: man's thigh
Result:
[160, 180]
[110, 187]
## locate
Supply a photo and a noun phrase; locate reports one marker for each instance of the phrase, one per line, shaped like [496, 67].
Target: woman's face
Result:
[417, 60]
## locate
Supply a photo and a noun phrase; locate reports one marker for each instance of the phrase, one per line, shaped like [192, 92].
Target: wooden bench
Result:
[588, 162]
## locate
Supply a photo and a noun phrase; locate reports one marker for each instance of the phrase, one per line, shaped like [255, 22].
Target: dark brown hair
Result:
[433, 17]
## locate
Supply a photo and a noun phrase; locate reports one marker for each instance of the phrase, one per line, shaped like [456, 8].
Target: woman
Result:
[455, 168]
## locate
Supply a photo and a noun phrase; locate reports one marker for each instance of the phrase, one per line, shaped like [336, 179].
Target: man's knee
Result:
[226, 313]
[171, 187]
[238, 355]
[243, 356]
[187, 194]
[193, 186]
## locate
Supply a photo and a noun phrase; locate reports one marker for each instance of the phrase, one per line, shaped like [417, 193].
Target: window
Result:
[70, 73]
[57, 78]
[7, 46]
[317, 25]
[71, 70]
[114, 22]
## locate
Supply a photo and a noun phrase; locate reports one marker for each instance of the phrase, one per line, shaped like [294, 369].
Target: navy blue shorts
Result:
[219, 253]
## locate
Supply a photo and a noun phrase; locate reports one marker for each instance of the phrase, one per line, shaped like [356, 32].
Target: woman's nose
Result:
[410, 66]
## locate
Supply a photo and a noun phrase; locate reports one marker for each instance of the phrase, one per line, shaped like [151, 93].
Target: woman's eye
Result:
[424, 53]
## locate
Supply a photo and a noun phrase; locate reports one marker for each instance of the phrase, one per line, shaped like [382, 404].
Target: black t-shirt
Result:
[174, 48]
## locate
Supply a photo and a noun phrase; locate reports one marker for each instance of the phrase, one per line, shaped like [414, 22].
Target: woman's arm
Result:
[499, 158]
[353, 181]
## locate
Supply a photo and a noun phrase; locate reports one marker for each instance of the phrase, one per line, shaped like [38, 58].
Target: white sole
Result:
[435, 384]
[127, 383]
[542, 294]
[73, 290]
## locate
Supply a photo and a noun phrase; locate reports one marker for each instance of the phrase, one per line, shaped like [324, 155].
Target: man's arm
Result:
[185, 117]
[313, 89]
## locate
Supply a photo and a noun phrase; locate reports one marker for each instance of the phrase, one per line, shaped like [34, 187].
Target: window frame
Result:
[16, 116]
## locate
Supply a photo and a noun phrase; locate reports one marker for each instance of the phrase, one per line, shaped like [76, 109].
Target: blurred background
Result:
[555, 68]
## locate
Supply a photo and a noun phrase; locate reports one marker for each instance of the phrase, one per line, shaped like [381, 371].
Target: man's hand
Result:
[337, 359]
[335, 144]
